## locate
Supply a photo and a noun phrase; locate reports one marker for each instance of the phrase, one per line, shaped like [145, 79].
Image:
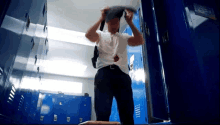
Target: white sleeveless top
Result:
[110, 45]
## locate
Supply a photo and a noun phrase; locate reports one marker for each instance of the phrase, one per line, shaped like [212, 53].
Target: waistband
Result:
[111, 67]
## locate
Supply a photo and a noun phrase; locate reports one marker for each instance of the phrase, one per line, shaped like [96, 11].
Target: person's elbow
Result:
[142, 40]
[139, 40]
[92, 38]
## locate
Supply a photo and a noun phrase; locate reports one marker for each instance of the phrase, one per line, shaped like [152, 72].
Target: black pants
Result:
[113, 82]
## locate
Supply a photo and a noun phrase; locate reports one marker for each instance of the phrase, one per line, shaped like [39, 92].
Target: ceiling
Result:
[79, 15]
[70, 18]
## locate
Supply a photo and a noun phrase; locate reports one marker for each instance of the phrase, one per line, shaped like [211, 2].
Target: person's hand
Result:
[103, 12]
[129, 16]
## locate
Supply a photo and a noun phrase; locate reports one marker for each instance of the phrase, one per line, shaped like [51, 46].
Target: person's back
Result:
[112, 78]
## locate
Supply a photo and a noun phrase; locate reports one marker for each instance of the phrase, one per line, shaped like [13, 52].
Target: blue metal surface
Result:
[64, 106]
[75, 107]
[47, 109]
[85, 108]
[15, 49]
[60, 108]
[3, 9]
[191, 59]
[155, 89]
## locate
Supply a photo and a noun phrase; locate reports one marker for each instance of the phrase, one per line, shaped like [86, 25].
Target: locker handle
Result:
[147, 30]
[28, 21]
[55, 117]
[33, 43]
[60, 103]
[68, 119]
[165, 37]
[46, 41]
[41, 118]
[45, 9]
[80, 119]
[1, 71]
[35, 59]
[45, 26]
[46, 51]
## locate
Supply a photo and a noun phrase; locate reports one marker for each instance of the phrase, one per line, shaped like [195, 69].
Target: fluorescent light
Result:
[68, 36]
[51, 85]
[14, 81]
[30, 83]
[63, 86]
[63, 67]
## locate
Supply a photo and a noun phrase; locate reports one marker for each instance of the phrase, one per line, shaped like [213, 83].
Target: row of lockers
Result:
[64, 109]
[23, 47]
[32, 107]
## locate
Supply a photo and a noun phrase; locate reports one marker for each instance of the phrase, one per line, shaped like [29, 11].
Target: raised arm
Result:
[91, 33]
[137, 39]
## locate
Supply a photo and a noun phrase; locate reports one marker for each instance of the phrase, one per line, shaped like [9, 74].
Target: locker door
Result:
[33, 110]
[27, 105]
[155, 85]
[60, 109]
[46, 113]
[74, 111]
[85, 108]
[10, 34]
[7, 106]
[189, 39]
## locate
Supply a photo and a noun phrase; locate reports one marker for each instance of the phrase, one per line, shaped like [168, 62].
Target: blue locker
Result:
[155, 85]
[61, 108]
[185, 35]
[36, 51]
[46, 113]
[33, 107]
[27, 105]
[67, 109]
[85, 108]
[19, 101]
[17, 34]
[7, 106]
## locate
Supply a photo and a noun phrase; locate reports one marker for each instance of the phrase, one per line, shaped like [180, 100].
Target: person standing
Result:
[112, 78]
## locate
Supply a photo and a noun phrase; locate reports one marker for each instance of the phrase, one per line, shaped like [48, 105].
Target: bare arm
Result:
[91, 33]
[137, 39]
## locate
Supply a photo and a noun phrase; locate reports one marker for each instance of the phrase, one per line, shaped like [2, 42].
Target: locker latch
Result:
[80, 119]
[33, 43]
[55, 117]
[35, 59]
[1, 71]
[147, 29]
[165, 37]
[41, 118]
[28, 21]
[68, 119]
[60, 103]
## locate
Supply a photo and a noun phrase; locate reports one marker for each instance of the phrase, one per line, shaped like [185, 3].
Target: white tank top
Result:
[111, 45]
